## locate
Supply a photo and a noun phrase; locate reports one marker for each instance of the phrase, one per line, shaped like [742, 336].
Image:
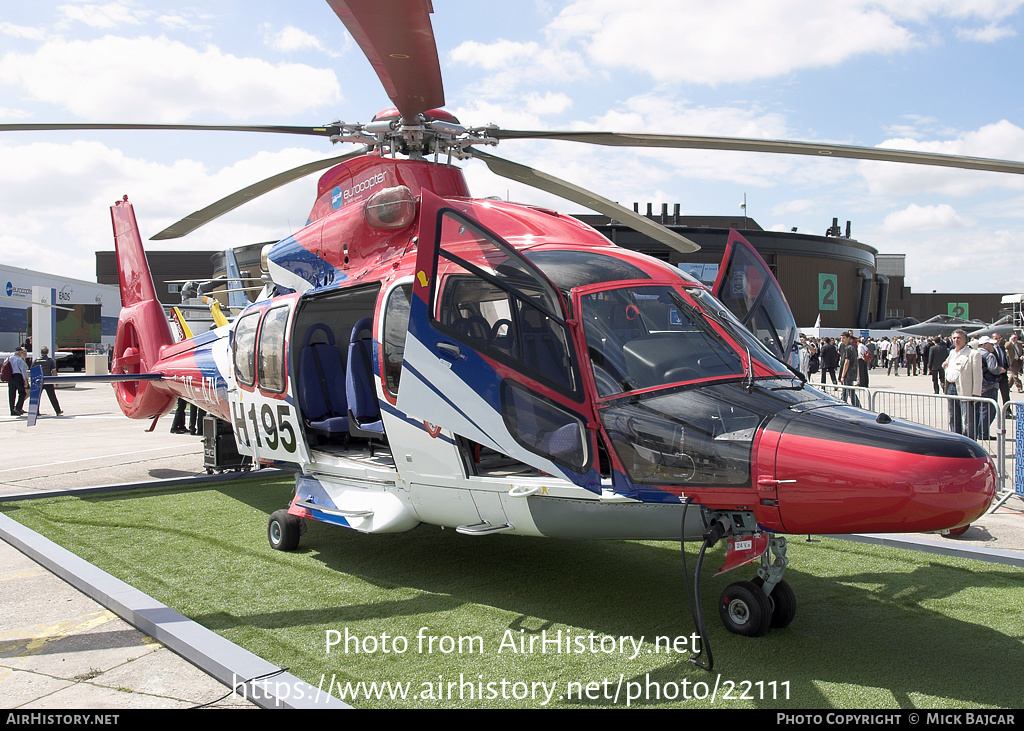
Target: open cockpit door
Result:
[489, 354]
[748, 288]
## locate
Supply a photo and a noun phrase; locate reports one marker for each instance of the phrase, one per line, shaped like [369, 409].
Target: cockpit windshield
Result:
[641, 337]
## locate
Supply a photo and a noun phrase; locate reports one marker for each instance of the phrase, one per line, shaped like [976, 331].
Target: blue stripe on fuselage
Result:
[291, 255]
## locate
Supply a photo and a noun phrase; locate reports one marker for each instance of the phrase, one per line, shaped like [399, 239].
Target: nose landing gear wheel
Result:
[745, 610]
[283, 531]
[783, 601]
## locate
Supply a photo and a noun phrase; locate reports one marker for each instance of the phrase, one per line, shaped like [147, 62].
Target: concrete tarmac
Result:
[60, 649]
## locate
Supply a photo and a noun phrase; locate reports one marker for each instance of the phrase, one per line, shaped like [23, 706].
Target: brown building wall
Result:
[809, 294]
[165, 266]
[968, 306]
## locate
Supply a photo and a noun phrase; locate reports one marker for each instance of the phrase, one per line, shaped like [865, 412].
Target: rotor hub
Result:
[434, 132]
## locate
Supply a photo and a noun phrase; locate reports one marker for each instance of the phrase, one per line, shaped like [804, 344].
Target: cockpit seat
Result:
[321, 386]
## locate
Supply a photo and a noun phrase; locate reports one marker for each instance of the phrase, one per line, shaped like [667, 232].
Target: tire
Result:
[954, 532]
[283, 531]
[745, 610]
[783, 601]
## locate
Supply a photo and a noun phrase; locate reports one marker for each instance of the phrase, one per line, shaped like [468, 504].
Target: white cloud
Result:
[940, 217]
[989, 34]
[532, 58]
[923, 10]
[713, 43]
[693, 41]
[1002, 140]
[22, 31]
[192, 20]
[962, 260]
[291, 39]
[159, 80]
[548, 103]
[656, 113]
[794, 206]
[109, 15]
[55, 200]
[493, 56]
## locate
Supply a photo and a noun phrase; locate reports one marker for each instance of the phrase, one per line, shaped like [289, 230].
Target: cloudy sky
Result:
[934, 75]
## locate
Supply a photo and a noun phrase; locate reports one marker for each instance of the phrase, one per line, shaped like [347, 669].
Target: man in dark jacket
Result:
[49, 366]
[936, 357]
[829, 358]
[849, 364]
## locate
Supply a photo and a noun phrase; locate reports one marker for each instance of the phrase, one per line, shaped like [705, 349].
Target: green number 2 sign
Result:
[828, 298]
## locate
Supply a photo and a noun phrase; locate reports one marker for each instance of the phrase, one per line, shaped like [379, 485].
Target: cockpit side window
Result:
[697, 436]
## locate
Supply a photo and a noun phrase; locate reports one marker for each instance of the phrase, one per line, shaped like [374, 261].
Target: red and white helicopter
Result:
[421, 356]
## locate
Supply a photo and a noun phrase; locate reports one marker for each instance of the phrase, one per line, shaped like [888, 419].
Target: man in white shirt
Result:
[963, 378]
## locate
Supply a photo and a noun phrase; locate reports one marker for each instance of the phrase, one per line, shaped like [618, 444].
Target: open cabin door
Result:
[263, 413]
[748, 288]
[489, 355]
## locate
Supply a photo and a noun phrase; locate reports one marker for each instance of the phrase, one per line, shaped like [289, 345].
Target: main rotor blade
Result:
[325, 131]
[397, 39]
[616, 139]
[201, 217]
[537, 179]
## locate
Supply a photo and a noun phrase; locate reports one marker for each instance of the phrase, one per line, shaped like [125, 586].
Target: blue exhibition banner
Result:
[1018, 463]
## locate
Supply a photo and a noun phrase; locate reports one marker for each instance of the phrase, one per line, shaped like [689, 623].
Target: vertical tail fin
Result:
[142, 328]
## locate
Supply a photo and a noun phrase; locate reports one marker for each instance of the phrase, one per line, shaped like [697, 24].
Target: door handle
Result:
[449, 351]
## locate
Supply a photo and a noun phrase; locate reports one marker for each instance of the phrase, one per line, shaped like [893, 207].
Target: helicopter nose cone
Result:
[842, 470]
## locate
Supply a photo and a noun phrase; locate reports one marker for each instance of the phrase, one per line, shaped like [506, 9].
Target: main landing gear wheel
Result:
[745, 609]
[783, 601]
[283, 531]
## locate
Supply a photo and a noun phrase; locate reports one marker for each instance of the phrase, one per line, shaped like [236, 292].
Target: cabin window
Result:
[271, 350]
[396, 325]
[245, 348]
[496, 303]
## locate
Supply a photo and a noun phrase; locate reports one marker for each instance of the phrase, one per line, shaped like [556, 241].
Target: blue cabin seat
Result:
[364, 418]
[321, 386]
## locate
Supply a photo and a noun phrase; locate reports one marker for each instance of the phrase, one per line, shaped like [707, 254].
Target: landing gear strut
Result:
[746, 617]
[748, 608]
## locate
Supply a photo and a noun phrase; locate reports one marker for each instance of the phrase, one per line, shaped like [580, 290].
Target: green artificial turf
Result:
[875, 627]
